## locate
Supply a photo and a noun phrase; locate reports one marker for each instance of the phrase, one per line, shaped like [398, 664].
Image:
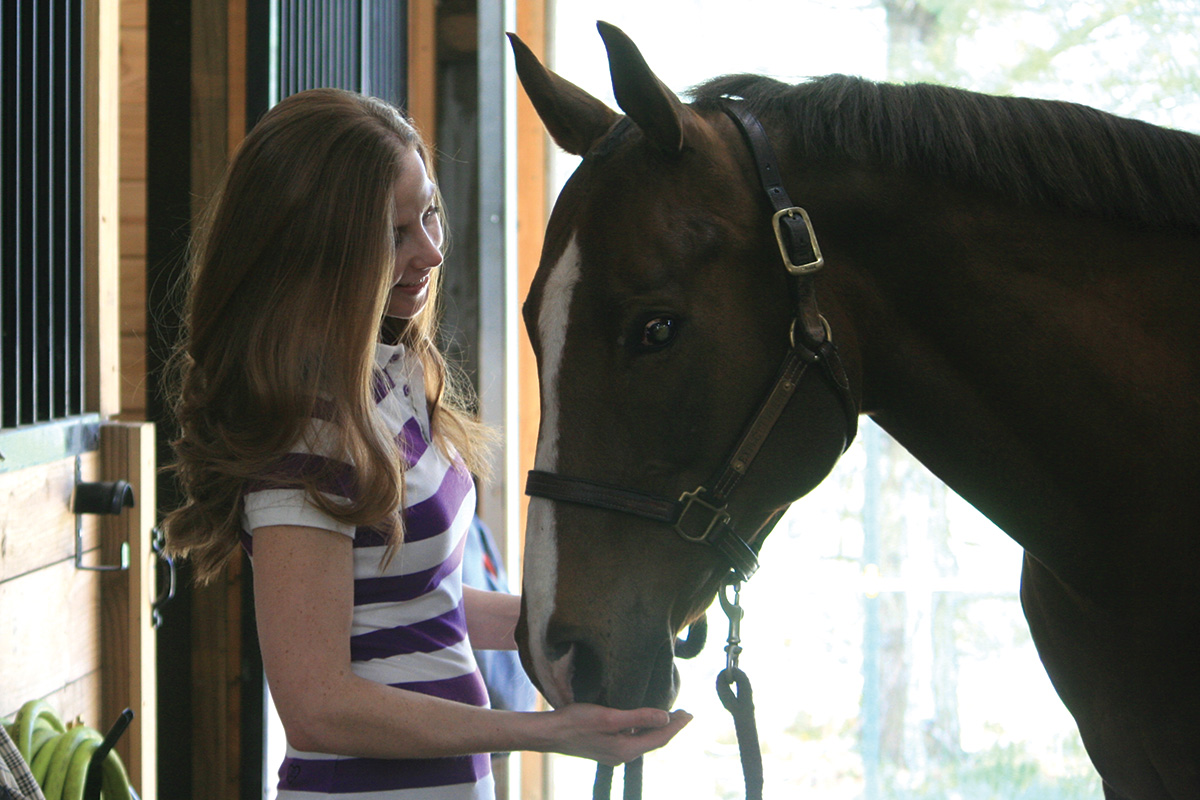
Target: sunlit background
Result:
[884, 634]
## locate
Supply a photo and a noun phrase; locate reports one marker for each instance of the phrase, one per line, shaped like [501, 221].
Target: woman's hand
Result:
[610, 736]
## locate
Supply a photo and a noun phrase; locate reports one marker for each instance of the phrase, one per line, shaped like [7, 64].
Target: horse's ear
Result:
[574, 118]
[639, 92]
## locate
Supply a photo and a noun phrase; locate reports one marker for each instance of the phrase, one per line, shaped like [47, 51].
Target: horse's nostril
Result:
[586, 683]
[557, 650]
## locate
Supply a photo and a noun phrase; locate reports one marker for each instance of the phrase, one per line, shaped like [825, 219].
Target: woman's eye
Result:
[658, 333]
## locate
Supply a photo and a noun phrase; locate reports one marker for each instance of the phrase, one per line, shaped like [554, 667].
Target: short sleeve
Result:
[277, 498]
[287, 507]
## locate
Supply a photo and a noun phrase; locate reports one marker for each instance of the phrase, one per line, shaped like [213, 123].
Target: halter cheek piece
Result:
[701, 516]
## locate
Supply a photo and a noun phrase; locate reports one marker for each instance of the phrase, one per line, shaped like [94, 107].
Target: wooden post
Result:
[532, 212]
[127, 641]
[218, 111]
[101, 225]
[421, 103]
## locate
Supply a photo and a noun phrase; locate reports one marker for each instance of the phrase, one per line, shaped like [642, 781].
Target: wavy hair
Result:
[289, 274]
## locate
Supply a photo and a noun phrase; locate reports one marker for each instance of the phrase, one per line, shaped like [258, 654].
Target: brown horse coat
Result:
[1013, 287]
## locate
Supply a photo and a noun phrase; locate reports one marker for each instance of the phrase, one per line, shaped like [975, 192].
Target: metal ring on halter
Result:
[824, 324]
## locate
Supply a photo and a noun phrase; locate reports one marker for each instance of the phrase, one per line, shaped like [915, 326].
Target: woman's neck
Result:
[391, 330]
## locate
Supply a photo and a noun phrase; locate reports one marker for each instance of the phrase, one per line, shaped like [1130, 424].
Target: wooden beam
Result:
[127, 652]
[218, 103]
[422, 67]
[533, 155]
[102, 246]
[235, 91]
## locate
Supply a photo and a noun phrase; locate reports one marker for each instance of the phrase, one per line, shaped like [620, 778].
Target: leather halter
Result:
[701, 516]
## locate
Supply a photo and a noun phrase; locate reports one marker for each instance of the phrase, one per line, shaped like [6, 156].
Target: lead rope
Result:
[740, 705]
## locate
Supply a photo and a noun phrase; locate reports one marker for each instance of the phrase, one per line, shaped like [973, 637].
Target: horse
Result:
[1008, 286]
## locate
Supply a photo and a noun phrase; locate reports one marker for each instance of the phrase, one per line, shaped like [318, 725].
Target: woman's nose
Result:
[433, 254]
[431, 248]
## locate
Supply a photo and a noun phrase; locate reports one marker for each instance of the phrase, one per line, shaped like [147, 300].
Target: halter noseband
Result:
[701, 516]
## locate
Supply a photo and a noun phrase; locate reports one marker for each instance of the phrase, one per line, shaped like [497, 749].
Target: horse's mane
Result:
[1039, 151]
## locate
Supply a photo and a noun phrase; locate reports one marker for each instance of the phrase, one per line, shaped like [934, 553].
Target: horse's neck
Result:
[1044, 368]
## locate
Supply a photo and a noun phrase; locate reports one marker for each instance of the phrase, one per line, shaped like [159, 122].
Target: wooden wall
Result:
[82, 639]
[50, 645]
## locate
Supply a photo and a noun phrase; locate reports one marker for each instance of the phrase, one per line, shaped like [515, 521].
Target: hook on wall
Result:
[108, 497]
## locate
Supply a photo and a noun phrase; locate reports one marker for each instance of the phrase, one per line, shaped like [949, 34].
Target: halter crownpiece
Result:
[793, 229]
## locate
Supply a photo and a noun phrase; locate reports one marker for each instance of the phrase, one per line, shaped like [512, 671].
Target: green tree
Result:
[1130, 57]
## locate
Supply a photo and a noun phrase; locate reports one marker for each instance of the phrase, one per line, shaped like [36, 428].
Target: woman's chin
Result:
[406, 305]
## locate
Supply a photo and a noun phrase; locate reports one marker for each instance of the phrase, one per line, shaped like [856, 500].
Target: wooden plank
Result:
[128, 638]
[132, 228]
[37, 528]
[133, 377]
[78, 700]
[235, 85]
[533, 154]
[133, 100]
[51, 632]
[216, 686]
[422, 67]
[210, 101]
[133, 222]
[216, 608]
[133, 13]
[101, 204]
[133, 294]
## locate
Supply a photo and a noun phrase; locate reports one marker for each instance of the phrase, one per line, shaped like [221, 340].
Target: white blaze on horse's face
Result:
[541, 550]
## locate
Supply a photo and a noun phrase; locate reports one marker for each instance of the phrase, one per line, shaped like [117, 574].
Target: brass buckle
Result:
[690, 499]
[797, 269]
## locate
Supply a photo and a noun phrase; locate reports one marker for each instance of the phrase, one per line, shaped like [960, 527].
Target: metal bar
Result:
[56, 211]
[43, 199]
[6, 263]
[31, 445]
[79, 373]
[497, 344]
[363, 78]
[25, 157]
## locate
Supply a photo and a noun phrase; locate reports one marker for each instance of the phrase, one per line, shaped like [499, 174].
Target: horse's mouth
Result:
[576, 673]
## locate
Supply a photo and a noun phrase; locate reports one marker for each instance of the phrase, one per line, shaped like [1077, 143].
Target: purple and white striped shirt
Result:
[409, 628]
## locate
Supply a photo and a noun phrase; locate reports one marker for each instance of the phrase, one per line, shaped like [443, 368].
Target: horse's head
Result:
[660, 315]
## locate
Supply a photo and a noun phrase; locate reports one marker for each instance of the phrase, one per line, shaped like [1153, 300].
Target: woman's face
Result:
[417, 236]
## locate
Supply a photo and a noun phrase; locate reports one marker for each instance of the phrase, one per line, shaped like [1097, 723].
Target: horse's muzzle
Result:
[586, 667]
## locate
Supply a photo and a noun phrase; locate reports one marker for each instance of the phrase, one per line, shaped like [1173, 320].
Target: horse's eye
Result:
[658, 333]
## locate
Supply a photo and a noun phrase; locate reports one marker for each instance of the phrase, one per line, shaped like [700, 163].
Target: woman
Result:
[318, 429]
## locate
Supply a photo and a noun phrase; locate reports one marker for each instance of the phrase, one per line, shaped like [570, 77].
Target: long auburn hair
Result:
[290, 270]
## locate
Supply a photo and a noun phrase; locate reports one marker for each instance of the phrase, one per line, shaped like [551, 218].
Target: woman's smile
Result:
[412, 285]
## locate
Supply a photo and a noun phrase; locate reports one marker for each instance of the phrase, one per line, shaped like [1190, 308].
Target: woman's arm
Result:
[491, 618]
[304, 601]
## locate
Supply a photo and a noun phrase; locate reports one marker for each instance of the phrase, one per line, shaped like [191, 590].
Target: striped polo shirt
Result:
[409, 628]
